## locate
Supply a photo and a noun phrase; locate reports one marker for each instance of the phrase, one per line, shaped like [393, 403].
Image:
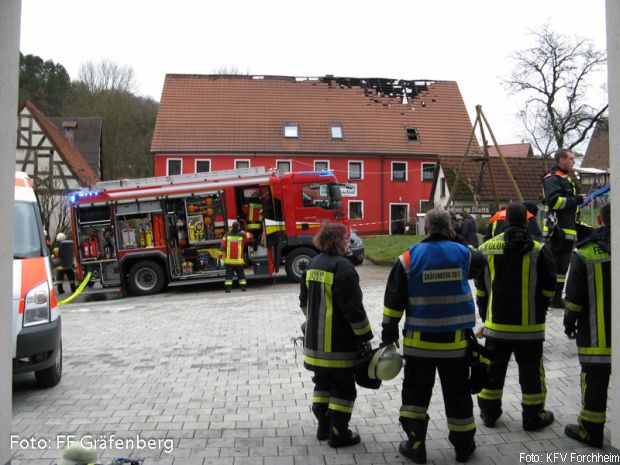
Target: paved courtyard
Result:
[214, 379]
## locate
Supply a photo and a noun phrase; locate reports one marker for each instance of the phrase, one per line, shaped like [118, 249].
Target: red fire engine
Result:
[142, 234]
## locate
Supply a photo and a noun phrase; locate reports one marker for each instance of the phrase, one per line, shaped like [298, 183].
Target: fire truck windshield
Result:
[326, 196]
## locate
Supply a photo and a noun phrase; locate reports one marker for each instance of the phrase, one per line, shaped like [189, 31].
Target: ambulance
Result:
[37, 344]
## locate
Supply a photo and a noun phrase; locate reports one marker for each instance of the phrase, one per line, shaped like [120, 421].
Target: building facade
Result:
[380, 137]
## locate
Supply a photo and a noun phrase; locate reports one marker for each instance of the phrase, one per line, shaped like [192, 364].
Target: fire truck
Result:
[143, 234]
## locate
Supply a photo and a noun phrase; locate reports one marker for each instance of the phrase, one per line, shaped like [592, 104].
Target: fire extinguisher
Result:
[94, 252]
[85, 247]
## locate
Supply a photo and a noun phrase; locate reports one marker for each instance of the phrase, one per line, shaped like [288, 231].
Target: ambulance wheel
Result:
[50, 377]
[145, 278]
[297, 261]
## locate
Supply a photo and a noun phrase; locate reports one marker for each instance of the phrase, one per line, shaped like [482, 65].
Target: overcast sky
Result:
[468, 41]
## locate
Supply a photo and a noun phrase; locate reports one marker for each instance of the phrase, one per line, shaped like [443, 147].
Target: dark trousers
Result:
[418, 389]
[594, 383]
[60, 276]
[561, 250]
[528, 355]
[231, 270]
[334, 395]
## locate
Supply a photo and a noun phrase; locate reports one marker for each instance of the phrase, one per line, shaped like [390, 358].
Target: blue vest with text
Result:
[440, 298]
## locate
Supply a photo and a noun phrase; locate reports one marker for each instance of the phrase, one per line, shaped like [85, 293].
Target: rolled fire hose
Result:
[77, 291]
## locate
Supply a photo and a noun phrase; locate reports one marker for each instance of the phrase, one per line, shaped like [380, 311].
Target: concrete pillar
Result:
[10, 12]
[613, 79]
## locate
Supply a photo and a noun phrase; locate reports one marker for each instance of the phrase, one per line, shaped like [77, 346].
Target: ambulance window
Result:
[26, 232]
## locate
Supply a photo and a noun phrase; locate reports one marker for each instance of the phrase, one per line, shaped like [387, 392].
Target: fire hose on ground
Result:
[77, 292]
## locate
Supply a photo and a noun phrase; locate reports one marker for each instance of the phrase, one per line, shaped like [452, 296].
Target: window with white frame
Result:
[399, 171]
[321, 165]
[174, 166]
[356, 209]
[336, 132]
[356, 170]
[428, 171]
[291, 131]
[239, 164]
[283, 166]
[203, 166]
[412, 135]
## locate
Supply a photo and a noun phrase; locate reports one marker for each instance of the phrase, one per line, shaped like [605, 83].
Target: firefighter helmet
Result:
[60, 237]
[385, 363]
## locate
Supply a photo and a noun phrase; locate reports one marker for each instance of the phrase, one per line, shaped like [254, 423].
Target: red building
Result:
[381, 136]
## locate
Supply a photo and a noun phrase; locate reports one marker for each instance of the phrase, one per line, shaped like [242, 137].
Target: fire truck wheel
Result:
[50, 377]
[145, 278]
[296, 262]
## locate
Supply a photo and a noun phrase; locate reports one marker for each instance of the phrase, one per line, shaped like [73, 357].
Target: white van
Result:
[37, 345]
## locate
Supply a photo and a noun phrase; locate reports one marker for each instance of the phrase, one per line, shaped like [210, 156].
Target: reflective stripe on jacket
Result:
[514, 295]
[335, 315]
[588, 299]
[561, 201]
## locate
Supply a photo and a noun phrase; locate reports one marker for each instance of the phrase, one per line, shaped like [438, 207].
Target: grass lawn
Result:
[384, 250]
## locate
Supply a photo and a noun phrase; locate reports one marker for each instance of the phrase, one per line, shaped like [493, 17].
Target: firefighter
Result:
[233, 246]
[512, 299]
[61, 272]
[337, 330]
[562, 199]
[429, 282]
[588, 317]
[253, 210]
[497, 222]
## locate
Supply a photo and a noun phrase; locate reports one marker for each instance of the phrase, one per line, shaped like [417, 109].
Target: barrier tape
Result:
[78, 291]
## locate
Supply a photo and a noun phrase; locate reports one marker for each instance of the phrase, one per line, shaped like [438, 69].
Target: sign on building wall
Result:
[473, 209]
[348, 190]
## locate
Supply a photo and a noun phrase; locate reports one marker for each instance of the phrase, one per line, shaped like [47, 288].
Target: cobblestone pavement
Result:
[215, 377]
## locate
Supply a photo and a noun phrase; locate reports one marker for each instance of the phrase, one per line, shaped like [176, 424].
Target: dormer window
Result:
[412, 135]
[291, 131]
[336, 131]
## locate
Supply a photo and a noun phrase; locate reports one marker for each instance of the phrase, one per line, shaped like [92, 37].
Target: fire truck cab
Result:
[143, 234]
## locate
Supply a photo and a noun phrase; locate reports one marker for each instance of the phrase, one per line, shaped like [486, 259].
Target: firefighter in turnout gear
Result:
[497, 223]
[337, 330]
[588, 316]
[62, 272]
[562, 200]
[429, 282]
[512, 299]
[233, 246]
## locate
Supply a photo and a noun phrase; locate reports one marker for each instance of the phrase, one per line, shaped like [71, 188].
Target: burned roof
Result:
[220, 113]
[527, 173]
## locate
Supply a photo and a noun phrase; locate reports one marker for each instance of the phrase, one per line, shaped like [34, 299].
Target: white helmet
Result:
[61, 237]
[385, 363]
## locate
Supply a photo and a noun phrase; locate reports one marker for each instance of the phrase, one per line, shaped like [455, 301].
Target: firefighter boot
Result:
[557, 301]
[320, 412]
[588, 433]
[339, 433]
[533, 421]
[414, 448]
[490, 409]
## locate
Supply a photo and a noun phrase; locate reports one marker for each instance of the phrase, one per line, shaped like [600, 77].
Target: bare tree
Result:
[107, 76]
[54, 205]
[554, 75]
[230, 70]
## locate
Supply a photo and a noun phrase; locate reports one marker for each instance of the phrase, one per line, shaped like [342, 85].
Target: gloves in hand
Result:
[363, 349]
[570, 327]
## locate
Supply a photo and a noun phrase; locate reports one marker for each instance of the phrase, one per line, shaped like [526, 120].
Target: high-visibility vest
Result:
[566, 217]
[233, 248]
[255, 211]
